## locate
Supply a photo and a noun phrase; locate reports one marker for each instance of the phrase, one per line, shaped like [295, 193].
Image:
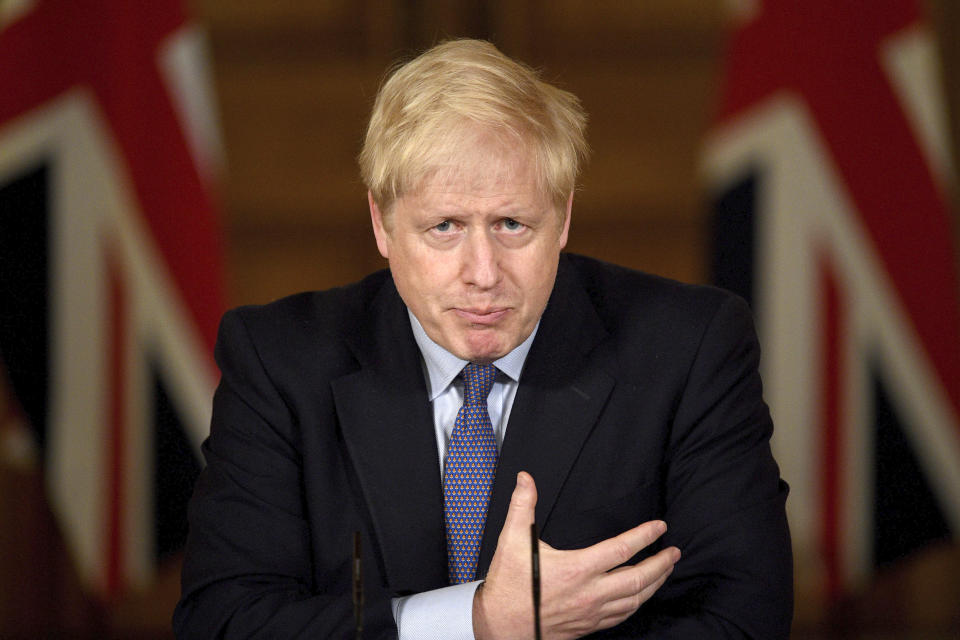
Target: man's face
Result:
[474, 252]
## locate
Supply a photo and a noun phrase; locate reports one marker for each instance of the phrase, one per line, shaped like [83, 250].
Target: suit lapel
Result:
[388, 429]
[563, 388]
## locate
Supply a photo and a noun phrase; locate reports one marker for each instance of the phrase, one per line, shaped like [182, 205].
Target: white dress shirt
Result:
[447, 613]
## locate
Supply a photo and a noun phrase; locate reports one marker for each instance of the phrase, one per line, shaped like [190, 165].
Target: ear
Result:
[379, 231]
[566, 222]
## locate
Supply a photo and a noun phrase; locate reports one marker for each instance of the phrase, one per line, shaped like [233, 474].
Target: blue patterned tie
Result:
[471, 463]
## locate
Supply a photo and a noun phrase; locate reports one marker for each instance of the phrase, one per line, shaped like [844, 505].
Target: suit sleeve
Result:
[248, 567]
[724, 500]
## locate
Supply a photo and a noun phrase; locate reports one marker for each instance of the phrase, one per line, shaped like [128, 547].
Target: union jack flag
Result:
[110, 282]
[830, 166]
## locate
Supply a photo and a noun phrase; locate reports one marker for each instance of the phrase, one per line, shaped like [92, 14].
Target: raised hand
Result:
[582, 590]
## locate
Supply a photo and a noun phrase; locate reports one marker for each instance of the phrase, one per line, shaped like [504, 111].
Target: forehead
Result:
[481, 174]
[492, 191]
[482, 165]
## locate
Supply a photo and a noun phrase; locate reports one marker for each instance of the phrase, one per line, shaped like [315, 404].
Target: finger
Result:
[520, 514]
[616, 611]
[628, 582]
[612, 552]
[645, 579]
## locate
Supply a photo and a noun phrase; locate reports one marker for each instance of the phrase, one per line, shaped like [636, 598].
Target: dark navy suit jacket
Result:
[640, 400]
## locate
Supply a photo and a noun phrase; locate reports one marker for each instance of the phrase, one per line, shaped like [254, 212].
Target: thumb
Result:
[520, 514]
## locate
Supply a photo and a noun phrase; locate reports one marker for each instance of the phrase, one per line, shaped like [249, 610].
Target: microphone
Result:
[535, 571]
[357, 589]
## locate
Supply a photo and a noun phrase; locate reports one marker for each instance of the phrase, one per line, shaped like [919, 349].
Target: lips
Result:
[482, 316]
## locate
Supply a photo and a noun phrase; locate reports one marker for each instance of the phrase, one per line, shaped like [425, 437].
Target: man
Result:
[617, 405]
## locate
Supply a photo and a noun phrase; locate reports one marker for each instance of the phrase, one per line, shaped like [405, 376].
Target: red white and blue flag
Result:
[830, 167]
[110, 267]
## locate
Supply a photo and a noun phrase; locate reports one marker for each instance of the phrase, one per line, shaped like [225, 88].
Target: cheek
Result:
[538, 280]
[425, 272]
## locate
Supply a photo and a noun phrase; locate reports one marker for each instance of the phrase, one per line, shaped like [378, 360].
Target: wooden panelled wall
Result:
[295, 80]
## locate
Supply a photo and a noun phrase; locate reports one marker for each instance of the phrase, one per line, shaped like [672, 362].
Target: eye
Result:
[444, 226]
[512, 225]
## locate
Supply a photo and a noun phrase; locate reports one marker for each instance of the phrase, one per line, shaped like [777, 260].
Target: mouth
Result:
[484, 317]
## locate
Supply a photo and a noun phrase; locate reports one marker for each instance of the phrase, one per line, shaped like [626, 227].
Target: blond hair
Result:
[427, 108]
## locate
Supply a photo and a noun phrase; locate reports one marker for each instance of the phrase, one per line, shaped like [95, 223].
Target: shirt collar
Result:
[443, 367]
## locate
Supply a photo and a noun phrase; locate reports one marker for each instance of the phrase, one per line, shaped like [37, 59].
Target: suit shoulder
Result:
[340, 306]
[652, 319]
[622, 292]
[317, 324]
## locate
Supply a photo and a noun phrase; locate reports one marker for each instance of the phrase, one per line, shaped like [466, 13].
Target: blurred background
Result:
[263, 199]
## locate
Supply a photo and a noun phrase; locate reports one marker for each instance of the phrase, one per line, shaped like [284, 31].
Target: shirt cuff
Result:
[441, 614]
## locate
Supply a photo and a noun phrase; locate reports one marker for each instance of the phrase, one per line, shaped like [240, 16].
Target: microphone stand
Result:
[535, 571]
[357, 589]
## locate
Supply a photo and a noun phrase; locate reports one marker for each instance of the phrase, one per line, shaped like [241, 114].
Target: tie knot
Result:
[477, 382]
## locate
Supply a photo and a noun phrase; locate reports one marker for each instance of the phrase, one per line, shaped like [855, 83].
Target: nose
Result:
[481, 259]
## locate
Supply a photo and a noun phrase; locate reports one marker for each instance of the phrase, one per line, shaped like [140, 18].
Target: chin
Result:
[484, 351]
[480, 356]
